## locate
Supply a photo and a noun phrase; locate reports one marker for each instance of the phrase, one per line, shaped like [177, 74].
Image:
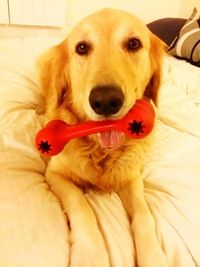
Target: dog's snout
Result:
[106, 100]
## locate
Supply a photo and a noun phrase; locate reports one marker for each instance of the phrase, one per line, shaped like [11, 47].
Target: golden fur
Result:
[67, 79]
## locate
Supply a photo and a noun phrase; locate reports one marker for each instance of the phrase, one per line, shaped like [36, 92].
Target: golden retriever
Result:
[107, 62]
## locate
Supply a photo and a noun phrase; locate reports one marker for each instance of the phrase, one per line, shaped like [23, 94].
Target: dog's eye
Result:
[82, 48]
[133, 44]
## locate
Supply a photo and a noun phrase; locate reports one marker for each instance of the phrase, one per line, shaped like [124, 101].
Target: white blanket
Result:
[33, 227]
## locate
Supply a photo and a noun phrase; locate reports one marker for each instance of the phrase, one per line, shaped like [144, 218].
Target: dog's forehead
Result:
[110, 22]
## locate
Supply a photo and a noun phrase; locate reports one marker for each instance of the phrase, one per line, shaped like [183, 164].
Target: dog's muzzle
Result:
[107, 100]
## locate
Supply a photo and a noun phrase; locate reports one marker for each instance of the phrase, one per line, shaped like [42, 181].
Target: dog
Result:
[107, 62]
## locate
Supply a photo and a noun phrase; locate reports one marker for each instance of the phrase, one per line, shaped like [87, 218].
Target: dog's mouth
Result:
[111, 139]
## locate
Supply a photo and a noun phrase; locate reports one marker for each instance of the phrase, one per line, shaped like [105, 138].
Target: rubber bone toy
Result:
[137, 124]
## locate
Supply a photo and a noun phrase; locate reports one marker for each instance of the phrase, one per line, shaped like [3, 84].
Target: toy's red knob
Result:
[140, 120]
[49, 141]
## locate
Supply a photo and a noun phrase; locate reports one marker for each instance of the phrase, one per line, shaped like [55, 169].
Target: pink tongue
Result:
[111, 139]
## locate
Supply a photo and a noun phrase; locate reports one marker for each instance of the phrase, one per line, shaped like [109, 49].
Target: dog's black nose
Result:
[106, 100]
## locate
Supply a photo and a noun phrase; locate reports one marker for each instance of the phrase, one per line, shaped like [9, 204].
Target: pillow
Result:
[187, 43]
[166, 28]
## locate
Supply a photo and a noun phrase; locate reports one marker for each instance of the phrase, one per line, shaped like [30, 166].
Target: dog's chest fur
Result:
[86, 164]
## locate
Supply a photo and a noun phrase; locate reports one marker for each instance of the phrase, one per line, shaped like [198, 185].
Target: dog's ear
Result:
[157, 51]
[54, 78]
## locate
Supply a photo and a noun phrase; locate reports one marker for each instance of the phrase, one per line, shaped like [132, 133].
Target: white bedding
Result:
[33, 227]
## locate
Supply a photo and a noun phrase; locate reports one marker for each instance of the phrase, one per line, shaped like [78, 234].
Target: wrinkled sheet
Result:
[33, 227]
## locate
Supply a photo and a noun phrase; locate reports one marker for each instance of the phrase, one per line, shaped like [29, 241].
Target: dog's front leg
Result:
[87, 245]
[148, 248]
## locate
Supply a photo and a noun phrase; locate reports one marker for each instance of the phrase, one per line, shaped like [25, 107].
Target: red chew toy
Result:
[137, 124]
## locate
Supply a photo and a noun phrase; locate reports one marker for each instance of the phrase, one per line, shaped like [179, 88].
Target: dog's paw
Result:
[88, 253]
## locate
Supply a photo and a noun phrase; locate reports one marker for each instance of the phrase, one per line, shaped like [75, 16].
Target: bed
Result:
[33, 226]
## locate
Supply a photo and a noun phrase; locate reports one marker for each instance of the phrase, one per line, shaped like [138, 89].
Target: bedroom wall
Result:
[73, 10]
[186, 7]
[145, 9]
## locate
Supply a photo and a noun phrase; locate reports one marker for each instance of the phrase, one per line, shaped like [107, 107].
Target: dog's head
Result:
[109, 60]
